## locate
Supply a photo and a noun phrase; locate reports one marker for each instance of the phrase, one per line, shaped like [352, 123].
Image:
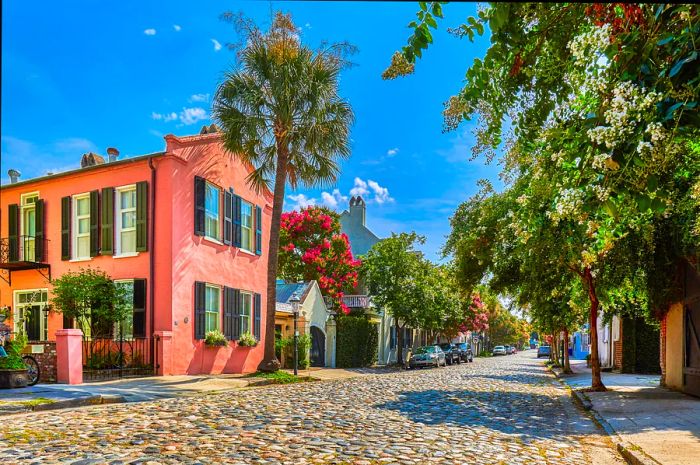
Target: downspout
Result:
[151, 259]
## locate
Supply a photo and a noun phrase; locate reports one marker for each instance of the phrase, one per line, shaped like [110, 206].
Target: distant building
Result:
[352, 222]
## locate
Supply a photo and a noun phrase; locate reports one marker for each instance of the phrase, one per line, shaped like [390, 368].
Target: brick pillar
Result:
[69, 356]
[164, 353]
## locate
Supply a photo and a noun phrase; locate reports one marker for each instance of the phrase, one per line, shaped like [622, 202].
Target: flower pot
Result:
[10, 379]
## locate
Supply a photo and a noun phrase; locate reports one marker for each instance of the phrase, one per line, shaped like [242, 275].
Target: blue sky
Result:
[84, 76]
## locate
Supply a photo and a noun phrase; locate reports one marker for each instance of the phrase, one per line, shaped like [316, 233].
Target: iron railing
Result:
[356, 301]
[108, 358]
[16, 249]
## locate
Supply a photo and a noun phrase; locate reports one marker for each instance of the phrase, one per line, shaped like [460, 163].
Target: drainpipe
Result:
[151, 259]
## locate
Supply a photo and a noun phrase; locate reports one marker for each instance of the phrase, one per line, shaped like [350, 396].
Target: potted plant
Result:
[247, 340]
[4, 313]
[215, 338]
[13, 371]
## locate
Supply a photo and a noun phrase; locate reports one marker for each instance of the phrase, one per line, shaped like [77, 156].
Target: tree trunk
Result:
[269, 362]
[567, 365]
[596, 379]
[554, 349]
[399, 344]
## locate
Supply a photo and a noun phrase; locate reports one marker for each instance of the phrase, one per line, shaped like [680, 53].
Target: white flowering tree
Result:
[598, 108]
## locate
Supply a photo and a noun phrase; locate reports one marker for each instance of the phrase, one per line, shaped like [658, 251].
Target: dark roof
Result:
[286, 290]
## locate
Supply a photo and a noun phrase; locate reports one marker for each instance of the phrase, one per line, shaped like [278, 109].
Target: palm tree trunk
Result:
[596, 379]
[269, 362]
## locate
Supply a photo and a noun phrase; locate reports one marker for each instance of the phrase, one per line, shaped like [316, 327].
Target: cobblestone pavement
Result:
[505, 410]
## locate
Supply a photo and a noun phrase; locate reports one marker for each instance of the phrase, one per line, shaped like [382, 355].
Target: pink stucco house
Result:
[180, 228]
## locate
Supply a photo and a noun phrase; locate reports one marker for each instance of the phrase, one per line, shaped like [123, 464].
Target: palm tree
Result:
[280, 112]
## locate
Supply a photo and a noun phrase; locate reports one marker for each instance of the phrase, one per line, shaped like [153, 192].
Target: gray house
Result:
[352, 223]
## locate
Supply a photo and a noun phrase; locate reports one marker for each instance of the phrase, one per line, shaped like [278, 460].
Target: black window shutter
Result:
[199, 186]
[13, 232]
[256, 318]
[199, 313]
[94, 223]
[236, 302]
[258, 230]
[392, 337]
[39, 248]
[237, 221]
[139, 308]
[228, 216]
[65, 228]
[107, 214]
[228, 313]
[141, 216]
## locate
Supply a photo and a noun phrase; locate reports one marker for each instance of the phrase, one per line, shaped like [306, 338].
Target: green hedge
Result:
[640, 346]
[356, 343]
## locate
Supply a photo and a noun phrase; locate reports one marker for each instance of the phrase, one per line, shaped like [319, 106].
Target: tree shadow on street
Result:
[531, 416]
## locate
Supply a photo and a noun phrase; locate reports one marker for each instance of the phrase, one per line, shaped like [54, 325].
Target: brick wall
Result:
[617, 351]
[46, 360]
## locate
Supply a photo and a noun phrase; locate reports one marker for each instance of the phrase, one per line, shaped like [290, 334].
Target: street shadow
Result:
[530, 416]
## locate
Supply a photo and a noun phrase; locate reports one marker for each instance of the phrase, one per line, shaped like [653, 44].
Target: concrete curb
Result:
[632, 453]
[62, 404]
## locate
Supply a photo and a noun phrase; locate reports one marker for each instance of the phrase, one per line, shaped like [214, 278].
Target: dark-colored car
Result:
[544, 351]
[451, 353]
[427, 356]
[510, 350]
[465, 352]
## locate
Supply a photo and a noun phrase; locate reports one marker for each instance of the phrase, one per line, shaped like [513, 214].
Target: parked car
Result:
[544, 351]
[499, 350]
[510, 350]
[465, 352]
[451, 353]
[427, 356]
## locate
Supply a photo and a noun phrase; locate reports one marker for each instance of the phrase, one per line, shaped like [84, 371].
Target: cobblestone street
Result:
[504, 410]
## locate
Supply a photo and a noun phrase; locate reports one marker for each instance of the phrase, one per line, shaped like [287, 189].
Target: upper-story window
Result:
[126, 220]
[247, 235]
[28, 225]
[212, 211]
[81, 226]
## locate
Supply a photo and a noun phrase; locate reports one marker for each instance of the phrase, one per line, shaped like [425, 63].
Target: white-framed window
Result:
[27, 227]
[212, 211]
[30, 316]
[246, 311]
[247, 234]
[81, 226]
[212, 308]
[126, 220]
[125, 328]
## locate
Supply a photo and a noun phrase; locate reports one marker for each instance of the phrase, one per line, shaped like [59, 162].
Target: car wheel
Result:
[459, 360]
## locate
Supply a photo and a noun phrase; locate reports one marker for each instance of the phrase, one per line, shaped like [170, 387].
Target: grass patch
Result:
[277, 377]
[29, 403]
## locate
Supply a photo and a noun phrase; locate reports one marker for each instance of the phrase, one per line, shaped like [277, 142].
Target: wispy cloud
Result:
[334, 199]
[32, 159]
[392, 152]
[150, 32]
[300, 201]
[177, 27]
[164, 116]
[191, 115]
[381, 194]
[217, 45]
[307, 25]
[199, 98]
[371, 191]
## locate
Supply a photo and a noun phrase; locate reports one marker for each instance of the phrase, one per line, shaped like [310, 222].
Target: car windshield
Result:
[463, 346]
[425, 350]
[544, 349]
[499, 348]
[445, 346]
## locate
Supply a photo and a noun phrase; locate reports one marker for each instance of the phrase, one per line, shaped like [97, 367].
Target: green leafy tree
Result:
[281, 113]
[92, 299]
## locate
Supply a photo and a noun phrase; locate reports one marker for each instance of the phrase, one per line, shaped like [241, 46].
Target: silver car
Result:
[428, 356]
[499, 350]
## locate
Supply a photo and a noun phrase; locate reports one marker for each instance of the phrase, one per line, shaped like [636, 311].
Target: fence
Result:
[105, 358]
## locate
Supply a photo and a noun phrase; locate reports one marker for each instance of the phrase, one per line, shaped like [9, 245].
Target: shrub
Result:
[303, 346]
[215, 338]
[14, 349]
[356, 344]
[247, 340]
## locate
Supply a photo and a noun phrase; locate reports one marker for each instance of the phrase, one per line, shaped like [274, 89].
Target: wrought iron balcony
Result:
[357, 301]
[22, 253]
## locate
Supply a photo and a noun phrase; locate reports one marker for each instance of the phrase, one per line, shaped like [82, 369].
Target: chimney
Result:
[357, 210]
[113, 154]
[14, 175]
[91, 159]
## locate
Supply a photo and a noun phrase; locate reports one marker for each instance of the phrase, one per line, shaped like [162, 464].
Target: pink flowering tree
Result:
[313, 248]
[477, 317]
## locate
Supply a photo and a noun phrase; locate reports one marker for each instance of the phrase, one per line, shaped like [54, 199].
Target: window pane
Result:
[128, 241]
[211, 226]
[245, 238]
[29, 223]
[128, 199]
[245, 324]
[129, 219]
[83, 247]
[211, 202]
[83, 206]
[84, 226]
[247, 214]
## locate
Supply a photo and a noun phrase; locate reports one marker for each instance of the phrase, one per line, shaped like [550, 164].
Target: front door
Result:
[318, 347]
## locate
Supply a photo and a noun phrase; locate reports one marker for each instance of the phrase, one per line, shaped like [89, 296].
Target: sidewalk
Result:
[54, 396]
[650, 424]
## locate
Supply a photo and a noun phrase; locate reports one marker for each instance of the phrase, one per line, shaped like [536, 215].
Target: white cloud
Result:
[334, 199]
[392, 152]
[177, 27]
[192, 115]
[74, 144]
[164, 116]
[199, 98]
[217, 45]
[360, 188]
[301, 201]
[150, 32]
[381, 194]
[307, 25]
